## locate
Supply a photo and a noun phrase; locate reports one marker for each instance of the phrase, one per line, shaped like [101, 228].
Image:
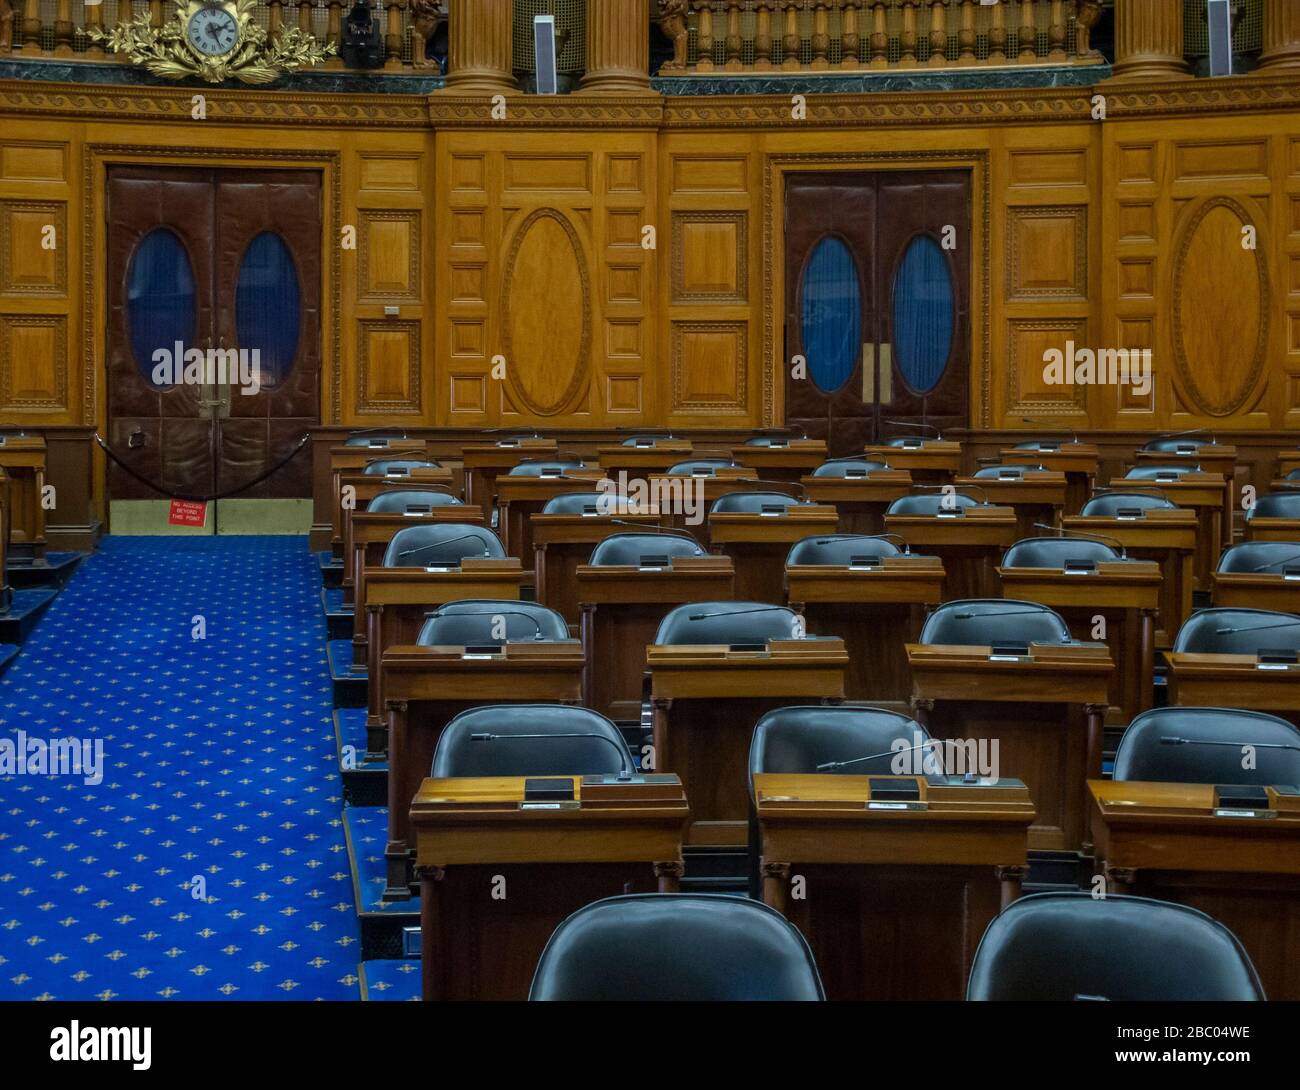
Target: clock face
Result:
[212, 31]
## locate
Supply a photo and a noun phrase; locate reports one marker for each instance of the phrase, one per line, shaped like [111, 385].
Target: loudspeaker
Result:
[1219, 19]
[544, 54]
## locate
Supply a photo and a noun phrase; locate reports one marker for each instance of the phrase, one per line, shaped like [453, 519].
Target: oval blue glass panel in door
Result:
[161, 307]
[268, 306]
[831, 314]
[924, 314]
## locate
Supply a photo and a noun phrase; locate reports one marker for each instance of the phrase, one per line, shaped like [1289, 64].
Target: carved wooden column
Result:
[1149, 39]
[480, 46]
[618, 47]
[1281, 35]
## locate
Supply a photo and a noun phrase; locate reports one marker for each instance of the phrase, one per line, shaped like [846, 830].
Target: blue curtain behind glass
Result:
[267, 302]
[923, 314]
[160, 303]
[832, 314]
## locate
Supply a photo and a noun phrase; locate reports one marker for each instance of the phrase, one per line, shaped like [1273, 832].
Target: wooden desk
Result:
[962, 692]
[1126, 596]
[1270, 529]
[352, 460]
[1234, 681]
[22, 458]
[896, 899]
[1258, 590]
[861, 501]
[368, 534]
[561, 543]
[788, 461]
[1202, 493]
[485, 462]
[970, 541]
[875, 610]
[6, 595]
[706, 700]
[1171, 842]
[426, 687]
[1287, 460]
[1220, 458]
[472, 833]
[637, 463]
[758, 544]
[1078, 461]
[356, 490]
[622, 608]
[519, 498]
[1168, 538]
[396, 602]
[1036, 497]
[935, 461]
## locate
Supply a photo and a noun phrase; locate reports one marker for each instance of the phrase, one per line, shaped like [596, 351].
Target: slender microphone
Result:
[1113, 542]
[1000, 613]
[1174, 740]
[956, 491]
[376, 431]
[441, 488]
[893, 539]
[1074, 436]
[650, 528]
[625, 774]
[738, 612]
[1258, 627]
[442, 544]
[1190, 431]
[914, 427]
[835, 766]
[1276, 563]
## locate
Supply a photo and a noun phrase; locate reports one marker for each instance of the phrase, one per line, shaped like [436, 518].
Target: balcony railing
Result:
[849, 35]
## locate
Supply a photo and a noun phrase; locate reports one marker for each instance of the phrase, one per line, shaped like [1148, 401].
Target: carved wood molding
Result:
[365, 405]
[9, 400]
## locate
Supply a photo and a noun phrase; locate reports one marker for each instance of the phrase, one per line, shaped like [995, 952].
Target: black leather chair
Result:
[1159, 473]
[1064, 946]
[644, 440]
[1110, 504]
[376, 441]
[411, 499]
[544, 469]
[446, 543]
[1055, 552]
[804, 739]
[839, 549]
[726, 623]
[632, 548]
[576, 503]
[1230, 631]
[1041, 446]
[848, 467]
[1294, 475]
[931, 503]
[1001, 472]
[1144, 753]
[676, 946]
[385, 467]
[979, 622]
[1276, 505]
[1178, 444]
[909, 442]
[1260, 557]
[478, 622]
[463, 749]
[696, 467]
[768, 441]
[752, 502]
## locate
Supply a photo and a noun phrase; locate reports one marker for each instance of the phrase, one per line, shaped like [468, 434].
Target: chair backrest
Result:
[575, 503]
[463, 751]
[1144, 753]
[1231, 631]
[643, 440]
[1294, 475]
[544, 469]
[900, 442]
[697, 466]
[802, 739]
[930, 503]
[479, 622]
[1041, 445]
[982, 622]
[676, 946]
[768, 441]
[378, 442]
[1155, 473]
[839, 549]
[405, 499]
[444, 543]
[1055, 552]
[751, 502]
[726, 623]
[846, 467]
[631, 548]
[1051, 947]
[1110, 504]
[1276, 505]
[386, 466]
[1177, 444]
[993, 473]
[1262, 557]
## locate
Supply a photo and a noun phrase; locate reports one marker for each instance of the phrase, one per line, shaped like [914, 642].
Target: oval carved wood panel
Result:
[547, 301]
[1221, 296]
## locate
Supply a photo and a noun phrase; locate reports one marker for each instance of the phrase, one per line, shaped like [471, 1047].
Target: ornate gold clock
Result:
[215, 40]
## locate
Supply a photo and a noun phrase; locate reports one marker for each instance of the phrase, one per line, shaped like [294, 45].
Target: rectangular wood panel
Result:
[33, 248]
[33, 363]
[389, 367]
[710, 367]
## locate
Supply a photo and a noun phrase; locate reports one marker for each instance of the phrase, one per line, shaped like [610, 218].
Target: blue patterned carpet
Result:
[219, 764]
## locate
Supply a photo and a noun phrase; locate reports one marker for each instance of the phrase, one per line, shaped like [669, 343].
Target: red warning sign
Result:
[187, 513]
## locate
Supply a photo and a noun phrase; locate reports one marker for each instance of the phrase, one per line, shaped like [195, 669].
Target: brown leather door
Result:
[877, 304]
[212, 259]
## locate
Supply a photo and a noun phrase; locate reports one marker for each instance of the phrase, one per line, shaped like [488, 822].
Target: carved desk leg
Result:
[430, 932]
[376, 740]
[776, 879]
[1096, 717]
[397, 854]
[669, 876]
[1011, 879]
[662, 757]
